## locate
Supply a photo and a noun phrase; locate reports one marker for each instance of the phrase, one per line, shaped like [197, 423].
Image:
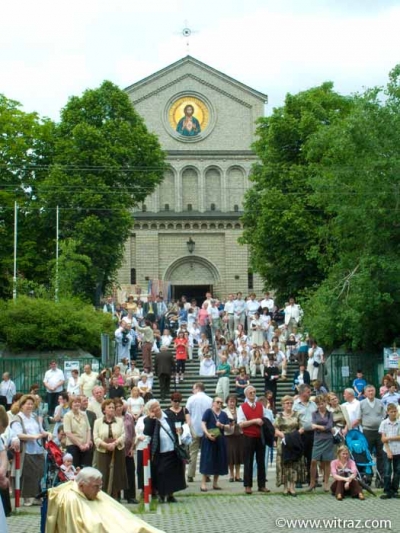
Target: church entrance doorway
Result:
[192, 292]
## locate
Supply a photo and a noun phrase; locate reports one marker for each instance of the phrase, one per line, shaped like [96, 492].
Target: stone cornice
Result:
[187, 215]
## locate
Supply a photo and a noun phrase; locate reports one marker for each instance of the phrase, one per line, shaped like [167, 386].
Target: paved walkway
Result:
[231, 511]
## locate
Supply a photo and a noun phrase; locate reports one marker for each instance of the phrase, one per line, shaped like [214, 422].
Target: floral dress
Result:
[293, 472]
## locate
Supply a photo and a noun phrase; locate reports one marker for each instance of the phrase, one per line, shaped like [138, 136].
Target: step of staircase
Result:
[210, 383]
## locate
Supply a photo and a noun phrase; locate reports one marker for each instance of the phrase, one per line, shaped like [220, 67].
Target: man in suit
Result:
[301, 376]
[293, 315]
[164, 366]
[150, 309]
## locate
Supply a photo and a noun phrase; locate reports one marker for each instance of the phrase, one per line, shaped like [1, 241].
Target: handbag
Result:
[180, 449]
[315, 364]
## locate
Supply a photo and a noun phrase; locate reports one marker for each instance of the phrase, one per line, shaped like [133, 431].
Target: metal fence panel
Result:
[342, 369]
[29, 370]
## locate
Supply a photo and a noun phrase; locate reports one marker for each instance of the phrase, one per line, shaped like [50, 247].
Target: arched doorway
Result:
[192, 276]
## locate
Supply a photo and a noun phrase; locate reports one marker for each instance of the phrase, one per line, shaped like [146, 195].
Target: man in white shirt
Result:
[239, 308]
[252, 306]
[293, 314]
[197, 405]
[7, 390]
[53, 381]
[250, 419]
[351, 408]
[87, 381]
[96, 400]
[229, 311]
[109, 306]
[268, 302]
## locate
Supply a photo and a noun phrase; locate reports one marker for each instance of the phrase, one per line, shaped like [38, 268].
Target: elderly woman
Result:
[129, 426]
[78, 434]
[168, 471]
[287, 424]
[344, 472]
[234, 440]
[31, 434]
[214, 458]
[109, 439]
[322, 424]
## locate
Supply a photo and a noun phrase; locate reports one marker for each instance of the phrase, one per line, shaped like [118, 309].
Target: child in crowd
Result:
[182, 347]
[390, 431]
[68, 468]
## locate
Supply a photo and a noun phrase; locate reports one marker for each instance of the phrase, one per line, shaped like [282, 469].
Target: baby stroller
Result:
[53, 476]
[359, 451]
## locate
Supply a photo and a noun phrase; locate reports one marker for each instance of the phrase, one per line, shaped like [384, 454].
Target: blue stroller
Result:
[359, 452]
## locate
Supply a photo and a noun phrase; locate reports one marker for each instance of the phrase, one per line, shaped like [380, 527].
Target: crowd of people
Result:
[106, 419]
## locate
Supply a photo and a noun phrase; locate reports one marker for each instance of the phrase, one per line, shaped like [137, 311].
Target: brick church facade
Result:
[186, 232]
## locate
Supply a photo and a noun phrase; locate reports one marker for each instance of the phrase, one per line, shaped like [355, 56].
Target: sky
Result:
[51, 50]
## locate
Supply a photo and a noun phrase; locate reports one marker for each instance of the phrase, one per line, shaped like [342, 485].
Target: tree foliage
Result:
[322, 218]
[39, 324]
[26, 147]
[358, 162]
[95, 166]
[105, 163]
[280, 221]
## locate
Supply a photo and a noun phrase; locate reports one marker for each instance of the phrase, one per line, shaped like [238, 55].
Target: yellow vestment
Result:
[69, 511]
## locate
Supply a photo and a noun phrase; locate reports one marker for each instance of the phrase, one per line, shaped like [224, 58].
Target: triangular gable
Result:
[188, 60]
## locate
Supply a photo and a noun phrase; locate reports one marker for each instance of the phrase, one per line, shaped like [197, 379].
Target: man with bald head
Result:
[250, 419]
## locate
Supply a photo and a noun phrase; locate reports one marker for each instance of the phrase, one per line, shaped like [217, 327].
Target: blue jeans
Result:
[391, 483]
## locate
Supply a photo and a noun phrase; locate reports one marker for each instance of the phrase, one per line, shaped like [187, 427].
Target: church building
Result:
[185, 235]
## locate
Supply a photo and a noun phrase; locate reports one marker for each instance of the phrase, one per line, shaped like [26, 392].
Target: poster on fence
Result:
[391, 358]
[68, 367]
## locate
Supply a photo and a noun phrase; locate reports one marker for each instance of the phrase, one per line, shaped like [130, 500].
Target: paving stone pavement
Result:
[258, 513]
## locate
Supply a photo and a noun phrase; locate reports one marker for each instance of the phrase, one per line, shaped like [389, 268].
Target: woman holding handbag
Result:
[168, 469]
[214, 457]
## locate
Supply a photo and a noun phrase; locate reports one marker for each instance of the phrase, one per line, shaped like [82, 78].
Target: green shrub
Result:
[38, 324]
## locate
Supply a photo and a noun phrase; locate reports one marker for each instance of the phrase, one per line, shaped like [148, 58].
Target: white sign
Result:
[391, 359]
[345, 371]
[69, 366]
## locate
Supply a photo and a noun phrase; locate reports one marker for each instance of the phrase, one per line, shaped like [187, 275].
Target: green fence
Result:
[25, 371]
[342, 369]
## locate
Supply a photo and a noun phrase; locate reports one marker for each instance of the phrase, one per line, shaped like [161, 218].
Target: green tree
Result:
[69, 273]
[356, 166]
[105, 162]
[25, 152]
[280, 220]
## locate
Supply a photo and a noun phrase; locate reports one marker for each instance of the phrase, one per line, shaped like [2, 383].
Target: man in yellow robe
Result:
[81, 506]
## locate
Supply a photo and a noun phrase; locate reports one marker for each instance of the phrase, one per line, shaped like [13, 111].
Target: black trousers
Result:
[165, 384]
[254, 446]
[130, 492]
[52, 402]
[375, 442]
[308, 442]
[80, 459]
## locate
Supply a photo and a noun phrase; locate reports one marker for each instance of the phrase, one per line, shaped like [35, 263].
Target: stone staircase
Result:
[192, 376]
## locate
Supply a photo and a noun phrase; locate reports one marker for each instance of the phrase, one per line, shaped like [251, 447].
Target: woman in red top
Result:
[181, 345]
